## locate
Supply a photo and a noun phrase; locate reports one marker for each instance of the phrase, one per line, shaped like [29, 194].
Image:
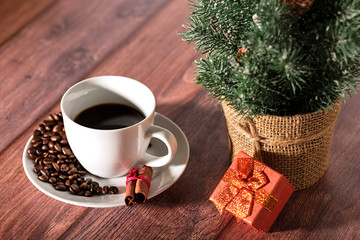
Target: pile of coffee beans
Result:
[55, 163]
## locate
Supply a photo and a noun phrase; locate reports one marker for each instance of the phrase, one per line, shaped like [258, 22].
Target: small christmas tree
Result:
[276, 57]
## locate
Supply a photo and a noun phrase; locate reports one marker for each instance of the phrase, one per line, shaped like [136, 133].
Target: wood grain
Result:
[56, 50]
[64, 43]
[152, 58]
[16, 14]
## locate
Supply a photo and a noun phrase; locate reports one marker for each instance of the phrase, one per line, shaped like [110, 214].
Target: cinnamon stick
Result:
[143, 184]
[137, 185]
[130, 194]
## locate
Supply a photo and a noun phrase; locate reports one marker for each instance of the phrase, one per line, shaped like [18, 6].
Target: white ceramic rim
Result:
[111, 78]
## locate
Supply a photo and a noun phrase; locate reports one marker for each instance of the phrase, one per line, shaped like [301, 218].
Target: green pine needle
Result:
[294, 65]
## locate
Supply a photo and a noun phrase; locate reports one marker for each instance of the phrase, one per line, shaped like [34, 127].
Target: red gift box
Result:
[252, 192]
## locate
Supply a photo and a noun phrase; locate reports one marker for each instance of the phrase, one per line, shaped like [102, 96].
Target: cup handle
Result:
[168, 139]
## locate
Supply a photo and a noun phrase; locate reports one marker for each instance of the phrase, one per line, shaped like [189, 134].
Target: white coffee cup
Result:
[112, 153]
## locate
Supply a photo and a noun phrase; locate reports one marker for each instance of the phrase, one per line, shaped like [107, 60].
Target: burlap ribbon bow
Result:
[243, 188]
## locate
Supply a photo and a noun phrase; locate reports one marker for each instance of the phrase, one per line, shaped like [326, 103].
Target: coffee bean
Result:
[41, 127]
[114, 190]
[46, 136]
[37, 144]
[80, 180]
[68, 160]
[64, 142]
[60, 161]
[44, 172]
[88, 194]
[81, 173]
[67, 183]
[64, 168]
[52, 151]
[51, 117]
[37, 168]
[36, 133]
[60, 187]
[31, 150]
[45, 148]
[98, 189]
[83, 186]
[88, 180]
[48, 161]
[45, 139]
[71, 171]
[52, 180]
[73, 177]
[66, 150]
[58, 128]
[51, 145]
[38, 160]
[56, 117]
[74, 189]
[55, 138]
[35, 139]
[39, 152]
[63, 177]
[57, 147]
[49, 123]
[56, 166]
[48, 166]
[43, 178]
[61, 156]
[105, 190]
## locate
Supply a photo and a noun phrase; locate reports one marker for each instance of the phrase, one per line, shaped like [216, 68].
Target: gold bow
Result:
[243, 188]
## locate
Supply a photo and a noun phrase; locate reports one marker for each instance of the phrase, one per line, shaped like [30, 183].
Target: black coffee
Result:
[109, 116]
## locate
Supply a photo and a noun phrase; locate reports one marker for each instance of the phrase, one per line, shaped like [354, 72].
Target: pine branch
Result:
[293, 64]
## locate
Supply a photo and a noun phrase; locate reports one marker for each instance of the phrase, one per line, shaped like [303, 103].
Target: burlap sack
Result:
[296, 146]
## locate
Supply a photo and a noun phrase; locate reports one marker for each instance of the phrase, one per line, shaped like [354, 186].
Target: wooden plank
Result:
[15, 14]
[34, 205]
[155, 55]
[26, 212]
[58, 49]
[173, 67]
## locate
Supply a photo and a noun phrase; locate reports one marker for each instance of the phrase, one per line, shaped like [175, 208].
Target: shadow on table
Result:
[204, 126]
[329, 204]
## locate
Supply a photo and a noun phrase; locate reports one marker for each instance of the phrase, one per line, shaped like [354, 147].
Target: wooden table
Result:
[46, 46]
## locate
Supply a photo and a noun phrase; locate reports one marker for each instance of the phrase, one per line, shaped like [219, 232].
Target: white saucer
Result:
[162, 179]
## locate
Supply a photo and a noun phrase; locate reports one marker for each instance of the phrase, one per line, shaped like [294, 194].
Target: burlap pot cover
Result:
[296, 146]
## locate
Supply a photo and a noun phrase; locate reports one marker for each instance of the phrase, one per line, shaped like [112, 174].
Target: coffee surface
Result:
[109, 116]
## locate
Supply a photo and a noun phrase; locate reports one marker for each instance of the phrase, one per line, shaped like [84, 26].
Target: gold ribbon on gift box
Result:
[244, 186]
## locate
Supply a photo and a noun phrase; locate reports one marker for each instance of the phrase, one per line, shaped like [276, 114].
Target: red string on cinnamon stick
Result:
[137, 185]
